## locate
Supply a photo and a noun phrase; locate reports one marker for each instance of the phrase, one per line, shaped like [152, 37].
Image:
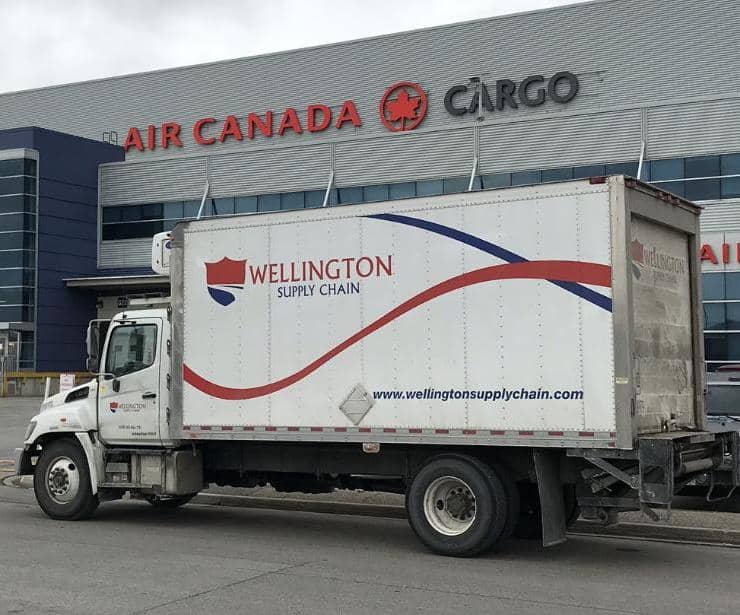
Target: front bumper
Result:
[23, 462]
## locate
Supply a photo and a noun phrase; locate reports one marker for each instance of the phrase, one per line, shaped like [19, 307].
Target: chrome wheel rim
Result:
[62, 480]
[449, 505]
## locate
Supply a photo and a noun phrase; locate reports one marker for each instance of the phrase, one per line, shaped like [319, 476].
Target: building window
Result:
[698, 178]
[557, 175]
[18, 205]
[622, 168]
[594, 170]
[375, 193]
[292, 200]
[268, 202]
[702, 167]
[730, 186]
[404, 190]
[350, 196]
[315, 198]
[526, 178]
[429, 187]
[496, 180]
[245, 204]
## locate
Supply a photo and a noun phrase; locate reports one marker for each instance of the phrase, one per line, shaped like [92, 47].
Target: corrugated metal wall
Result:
[720, 216]
[160, 180]
[402, 157]
[561, 141]
[646, 70]
[270, 170]
[694, 128]
[124, 253]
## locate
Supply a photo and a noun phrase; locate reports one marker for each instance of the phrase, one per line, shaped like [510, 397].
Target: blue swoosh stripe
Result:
[579, 290]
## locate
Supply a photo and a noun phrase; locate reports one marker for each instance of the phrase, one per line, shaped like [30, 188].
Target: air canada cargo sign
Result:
[401, 107]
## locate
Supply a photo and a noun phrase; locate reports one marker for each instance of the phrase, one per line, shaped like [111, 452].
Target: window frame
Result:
[134, 325]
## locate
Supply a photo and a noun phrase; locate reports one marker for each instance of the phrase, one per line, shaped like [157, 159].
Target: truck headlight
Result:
[29, 430]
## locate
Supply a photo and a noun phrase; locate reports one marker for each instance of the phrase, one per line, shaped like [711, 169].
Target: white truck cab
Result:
[119, 421]
[122, 404]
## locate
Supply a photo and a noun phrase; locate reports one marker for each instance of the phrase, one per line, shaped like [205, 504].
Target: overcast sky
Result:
[45, 42]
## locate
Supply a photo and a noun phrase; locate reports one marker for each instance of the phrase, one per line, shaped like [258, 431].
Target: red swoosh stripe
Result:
[563, 271]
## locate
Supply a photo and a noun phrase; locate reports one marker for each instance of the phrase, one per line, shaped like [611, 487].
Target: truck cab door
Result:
[129, 393]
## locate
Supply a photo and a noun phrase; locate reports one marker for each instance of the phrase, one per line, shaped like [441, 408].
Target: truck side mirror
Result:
[95, 340]
[116, 385]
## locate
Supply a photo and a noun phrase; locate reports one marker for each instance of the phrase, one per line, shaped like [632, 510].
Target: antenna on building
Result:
[328, 189]
[642, 159]
[203, 200]
[207, 189]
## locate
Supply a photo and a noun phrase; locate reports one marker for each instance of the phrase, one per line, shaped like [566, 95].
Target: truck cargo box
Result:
[551, 315]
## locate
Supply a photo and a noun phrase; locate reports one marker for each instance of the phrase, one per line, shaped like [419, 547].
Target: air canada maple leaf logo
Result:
[403, 106]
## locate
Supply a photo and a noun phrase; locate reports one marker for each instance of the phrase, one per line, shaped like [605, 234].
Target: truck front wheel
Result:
[457, 506]
[62, 483]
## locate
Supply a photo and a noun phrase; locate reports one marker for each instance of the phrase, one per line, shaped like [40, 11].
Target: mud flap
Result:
[552, 504]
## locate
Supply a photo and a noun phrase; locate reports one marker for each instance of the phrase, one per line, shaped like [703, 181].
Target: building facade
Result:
[615, 86]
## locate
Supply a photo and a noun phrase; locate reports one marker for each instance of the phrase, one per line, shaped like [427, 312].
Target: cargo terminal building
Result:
[89, 172]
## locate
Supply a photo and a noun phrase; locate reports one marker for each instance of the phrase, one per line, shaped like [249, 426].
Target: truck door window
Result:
[131, 348]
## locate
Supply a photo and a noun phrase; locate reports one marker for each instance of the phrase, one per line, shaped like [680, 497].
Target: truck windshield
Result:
[131, 348]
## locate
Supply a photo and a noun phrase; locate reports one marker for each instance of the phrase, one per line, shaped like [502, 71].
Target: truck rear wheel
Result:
[457, 506]
[62, 483]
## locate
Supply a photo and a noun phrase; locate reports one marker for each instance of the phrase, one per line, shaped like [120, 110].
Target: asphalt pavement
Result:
[15, 412]
[132, 559]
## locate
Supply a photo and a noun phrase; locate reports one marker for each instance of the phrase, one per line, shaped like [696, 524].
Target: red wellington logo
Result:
[403, 106]
[223, 277]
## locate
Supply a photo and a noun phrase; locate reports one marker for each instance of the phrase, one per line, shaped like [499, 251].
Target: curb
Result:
[639, 531]
[647, 531]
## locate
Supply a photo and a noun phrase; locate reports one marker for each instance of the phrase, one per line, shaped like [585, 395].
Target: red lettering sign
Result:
[255, 121]
[408, 108]
[133, 139]
[198, 131]
[348, 113]
[171, 134]
[151, 137]
[231, 129]
[312, 123]
[707, 254]
[290, 120]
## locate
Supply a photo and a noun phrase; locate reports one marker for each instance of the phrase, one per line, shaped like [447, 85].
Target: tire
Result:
[529, 525]
[169, 503]
[61, 482]
[457, 506]
[512, 499]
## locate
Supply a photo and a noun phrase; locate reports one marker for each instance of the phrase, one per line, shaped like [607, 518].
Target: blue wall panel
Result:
[67, 238]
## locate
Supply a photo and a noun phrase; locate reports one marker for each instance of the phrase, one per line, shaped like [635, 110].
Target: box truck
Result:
[506, 359]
